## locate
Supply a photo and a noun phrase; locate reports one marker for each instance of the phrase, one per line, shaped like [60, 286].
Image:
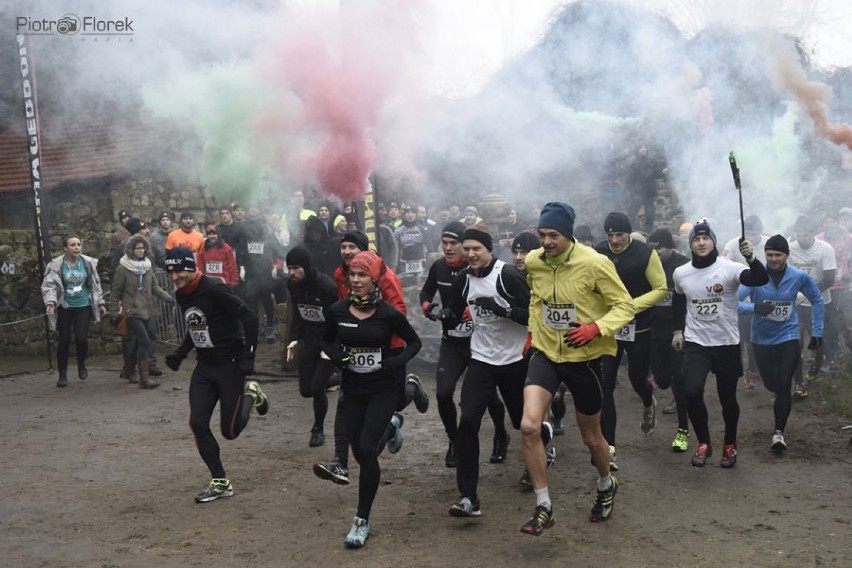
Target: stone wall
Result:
[89, 210]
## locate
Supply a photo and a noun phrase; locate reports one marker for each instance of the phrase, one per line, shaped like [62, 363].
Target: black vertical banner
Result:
[33, 128]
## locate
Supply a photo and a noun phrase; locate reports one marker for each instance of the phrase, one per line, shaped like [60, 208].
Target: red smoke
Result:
[813, 98]
[343, 69]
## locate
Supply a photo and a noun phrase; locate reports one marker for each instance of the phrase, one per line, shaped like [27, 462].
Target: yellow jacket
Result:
[586, 283]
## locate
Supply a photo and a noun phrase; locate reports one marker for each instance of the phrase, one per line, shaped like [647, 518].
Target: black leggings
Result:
[777, 363]
[480, 384]
[367, 416]
[314, 372]
[667, 366]
[726, 363]
[212, 383]
[638, 365]
[78, 319]
[452, 361]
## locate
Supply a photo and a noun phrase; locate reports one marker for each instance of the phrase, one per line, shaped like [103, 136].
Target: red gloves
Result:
[582, 334]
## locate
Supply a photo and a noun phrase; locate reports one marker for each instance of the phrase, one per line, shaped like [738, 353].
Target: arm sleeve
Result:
[518, 292]
[656, 277]
[329, 343]
[427, 293]
[402, 328]
[118, 283]
[232, 273]
[828, 277]
[615, 296]
[232, 304]
[744, 308]
[679, 311]
[297, 324]
[814, 296]
[755, 275]
[392, 291]
[457, 303]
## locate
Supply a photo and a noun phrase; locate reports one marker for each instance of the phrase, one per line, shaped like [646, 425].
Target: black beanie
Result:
[135, 225]
[661, 238]
[778, 244]
[357, 238]
[454, 230]
[180, 258]
[617, 222]
[479, 232]
[526, 242]
[299, 256]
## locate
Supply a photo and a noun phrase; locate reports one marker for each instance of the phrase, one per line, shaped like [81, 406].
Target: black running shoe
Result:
[414, 391]
[451, 460]
[317, 438]
[604, 503]
[542, 519]
[501, 448]
[332, 471]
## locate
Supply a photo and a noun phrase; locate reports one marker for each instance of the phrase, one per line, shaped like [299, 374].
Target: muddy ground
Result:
[101, 474]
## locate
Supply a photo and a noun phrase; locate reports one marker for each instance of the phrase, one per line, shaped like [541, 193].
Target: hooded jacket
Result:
[134, 285]
[217, 260]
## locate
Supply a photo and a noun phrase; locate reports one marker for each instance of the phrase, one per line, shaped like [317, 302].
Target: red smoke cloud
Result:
[813, 98]
[343, 69]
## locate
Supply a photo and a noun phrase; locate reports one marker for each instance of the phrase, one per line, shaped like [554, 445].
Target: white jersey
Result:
[711, 302]
[815, 260]
[495, 340]
[731, 250]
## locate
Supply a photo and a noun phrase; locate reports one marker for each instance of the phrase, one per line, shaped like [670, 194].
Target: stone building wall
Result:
[88, 209]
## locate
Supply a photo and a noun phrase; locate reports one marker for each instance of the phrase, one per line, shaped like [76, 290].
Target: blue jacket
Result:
[774, 329]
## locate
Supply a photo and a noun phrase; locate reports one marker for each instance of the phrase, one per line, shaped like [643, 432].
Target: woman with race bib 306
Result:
[357, 338]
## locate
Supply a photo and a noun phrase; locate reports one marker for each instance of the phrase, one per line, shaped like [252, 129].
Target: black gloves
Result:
[173, 360]
[340, 358]
[815, 343]
[245, 362]
[429, 310]
[445, 314]
[492, 306]
[393, 364]
[763, 309]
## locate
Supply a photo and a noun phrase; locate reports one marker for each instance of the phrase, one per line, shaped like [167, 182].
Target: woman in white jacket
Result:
[72, 294]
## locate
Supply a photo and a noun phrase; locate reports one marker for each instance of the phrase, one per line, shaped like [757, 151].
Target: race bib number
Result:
[413, 266]
[558, 316]
[214, 267]
[255, 247]
[200, 336]
[781, 311]
[481, 314]
[627, 333]
[667, 301]
[706, 309]
[311, 313]
[464, 329]
[365, 360]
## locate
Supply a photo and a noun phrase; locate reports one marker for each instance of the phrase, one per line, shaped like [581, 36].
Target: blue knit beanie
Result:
[559, 217]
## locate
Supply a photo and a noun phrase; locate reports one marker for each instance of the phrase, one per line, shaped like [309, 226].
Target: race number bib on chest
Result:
[627, 333]
[781, 311]
[255, 247]
[706, 309]
[481, 314]
[311, 313]
[464, 329]
[214, 267]
[365, 360]
[414, 266]
[200, 336]
[558, 316]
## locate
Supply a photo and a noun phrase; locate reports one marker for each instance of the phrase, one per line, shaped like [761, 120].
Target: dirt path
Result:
[102, 474]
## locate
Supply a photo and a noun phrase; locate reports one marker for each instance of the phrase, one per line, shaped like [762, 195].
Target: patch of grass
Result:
[833, 392]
